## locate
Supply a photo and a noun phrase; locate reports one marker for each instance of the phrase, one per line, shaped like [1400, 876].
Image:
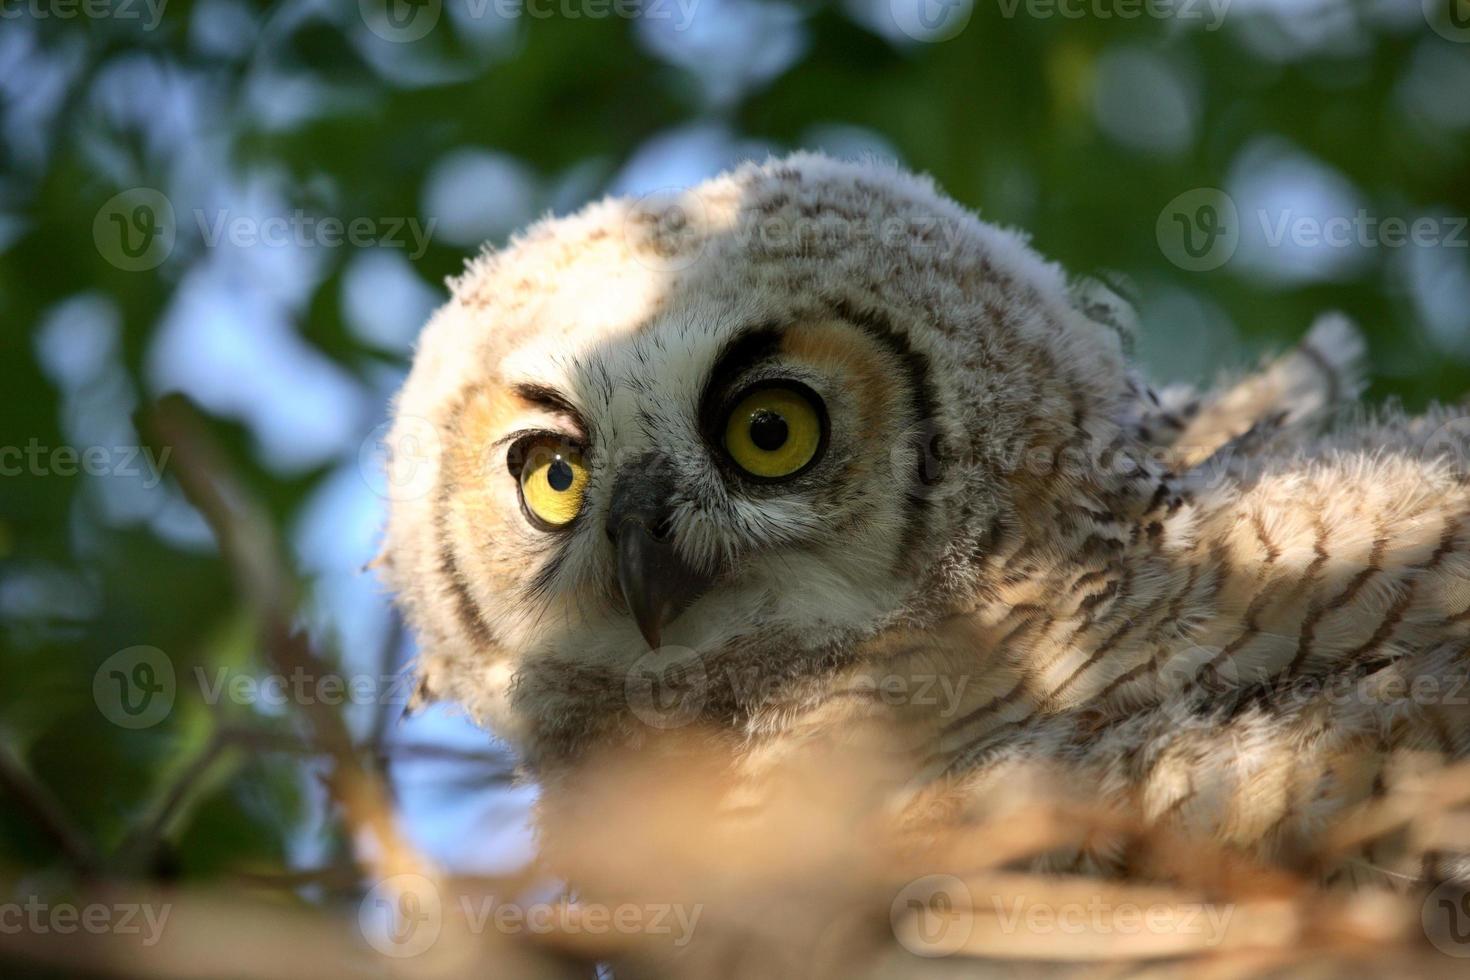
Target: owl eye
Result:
[776, 430]
[553, 479]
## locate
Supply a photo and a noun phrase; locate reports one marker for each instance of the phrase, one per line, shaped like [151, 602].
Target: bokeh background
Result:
[169, 177]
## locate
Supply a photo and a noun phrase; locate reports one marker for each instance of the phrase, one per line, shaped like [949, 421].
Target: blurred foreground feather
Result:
[680, 867]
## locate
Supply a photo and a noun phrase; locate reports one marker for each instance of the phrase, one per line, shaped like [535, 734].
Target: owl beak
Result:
[657, 584]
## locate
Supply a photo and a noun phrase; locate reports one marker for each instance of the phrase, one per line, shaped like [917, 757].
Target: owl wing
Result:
[1285, 399]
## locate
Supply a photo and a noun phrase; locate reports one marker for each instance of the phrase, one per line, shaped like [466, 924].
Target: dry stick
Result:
[387, 660]
[247, 542]
[262, 740]
[140, 844]
[44, 810]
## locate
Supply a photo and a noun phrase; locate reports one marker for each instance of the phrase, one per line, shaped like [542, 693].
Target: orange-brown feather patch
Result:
[844, 351]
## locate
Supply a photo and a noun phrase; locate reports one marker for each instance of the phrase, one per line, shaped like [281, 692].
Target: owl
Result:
[823, 438]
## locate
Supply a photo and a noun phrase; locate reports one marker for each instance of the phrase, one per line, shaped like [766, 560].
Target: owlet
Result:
[811, 423]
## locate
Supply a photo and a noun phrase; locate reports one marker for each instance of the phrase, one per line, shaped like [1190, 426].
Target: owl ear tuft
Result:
[1108, 301]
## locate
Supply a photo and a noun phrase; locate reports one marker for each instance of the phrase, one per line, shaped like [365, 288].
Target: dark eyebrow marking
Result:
[746, 349]
[877, 325]
[543, 396]
[749, 347]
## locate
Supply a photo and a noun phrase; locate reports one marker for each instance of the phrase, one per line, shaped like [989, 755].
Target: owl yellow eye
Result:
[776, 431]
[553, 479]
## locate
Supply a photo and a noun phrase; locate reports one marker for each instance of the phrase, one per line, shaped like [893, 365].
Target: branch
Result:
[248, 544]
[142, 842]
[44, 809]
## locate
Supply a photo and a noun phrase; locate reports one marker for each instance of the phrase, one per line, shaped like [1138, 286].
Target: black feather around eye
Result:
[522, 443]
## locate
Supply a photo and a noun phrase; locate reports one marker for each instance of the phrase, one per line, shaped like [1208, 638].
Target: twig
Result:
[387, 661]
[268, 741]
[141, 843]
[248, 543]
[44, 809]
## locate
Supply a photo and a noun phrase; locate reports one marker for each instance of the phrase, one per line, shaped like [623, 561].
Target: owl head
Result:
[756, 423]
